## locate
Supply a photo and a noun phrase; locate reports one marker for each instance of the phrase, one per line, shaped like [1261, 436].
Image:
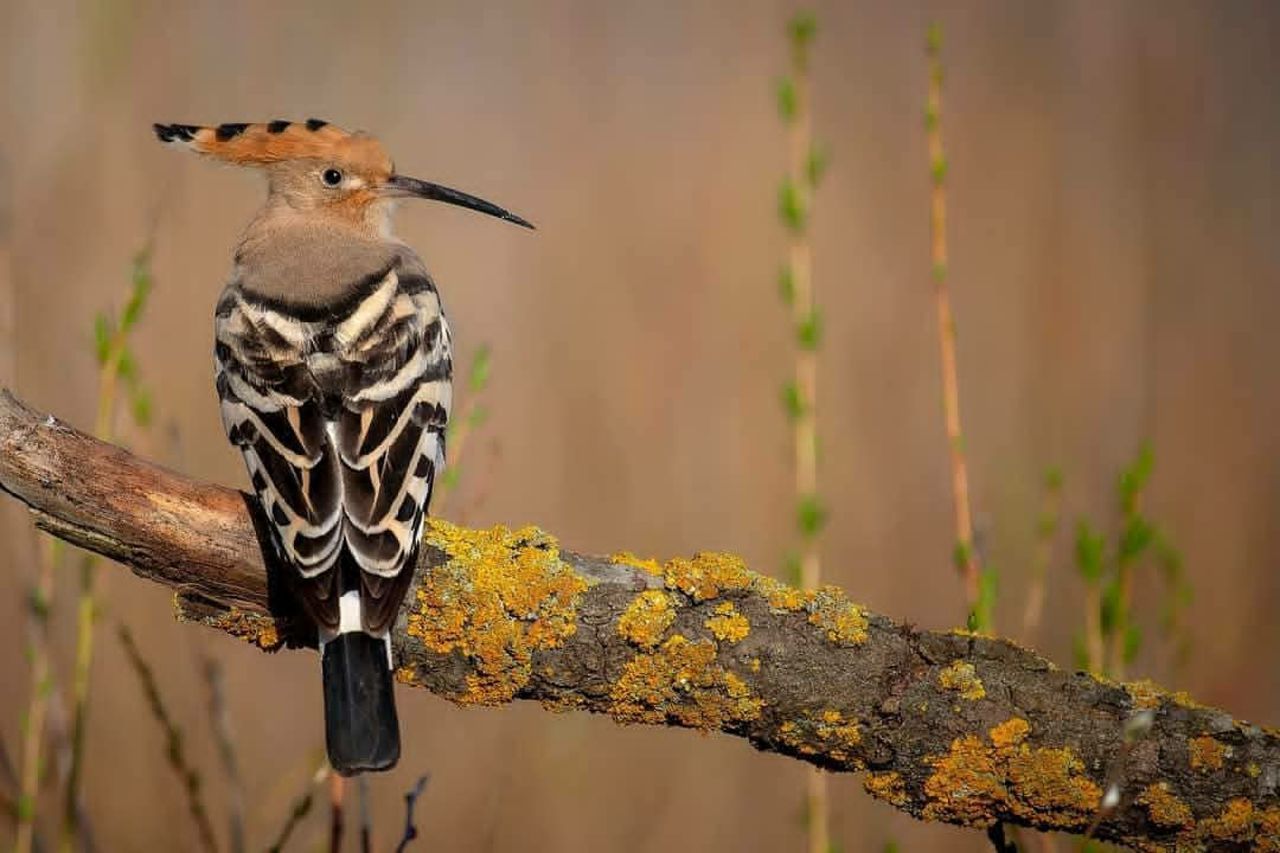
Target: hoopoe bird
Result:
[334, 375]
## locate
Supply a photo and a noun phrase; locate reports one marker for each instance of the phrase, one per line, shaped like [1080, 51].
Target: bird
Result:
[333, 365]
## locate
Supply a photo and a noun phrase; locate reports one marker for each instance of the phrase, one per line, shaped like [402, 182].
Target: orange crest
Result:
[278, 141]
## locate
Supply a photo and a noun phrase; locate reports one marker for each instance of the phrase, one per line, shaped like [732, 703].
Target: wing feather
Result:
[341, 424]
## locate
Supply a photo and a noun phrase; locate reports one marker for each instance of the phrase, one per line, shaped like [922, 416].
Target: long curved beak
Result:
[402, 186]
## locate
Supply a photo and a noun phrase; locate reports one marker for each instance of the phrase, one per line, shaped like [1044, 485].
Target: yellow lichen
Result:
[843, 621]
[1164, 808]
[976, 779]
[963, 679]
[779, 595]
[1146, 695]
[645, 564]
[827, 733]
[841, 736]
[1205, 753]
[754, 664]
[501, 596]
[887, 786]
[727, 624]
[681, 682]
[706, 575]
[647, 618]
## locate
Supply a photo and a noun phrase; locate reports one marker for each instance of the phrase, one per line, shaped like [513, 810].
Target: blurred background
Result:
[1114, 203]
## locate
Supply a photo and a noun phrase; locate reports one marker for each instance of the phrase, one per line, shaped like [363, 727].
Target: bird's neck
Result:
[310, 259]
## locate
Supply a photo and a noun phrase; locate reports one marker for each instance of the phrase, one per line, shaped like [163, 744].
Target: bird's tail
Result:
[360, 726]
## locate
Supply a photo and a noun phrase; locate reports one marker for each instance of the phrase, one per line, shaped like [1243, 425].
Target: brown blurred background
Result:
[1114, 198]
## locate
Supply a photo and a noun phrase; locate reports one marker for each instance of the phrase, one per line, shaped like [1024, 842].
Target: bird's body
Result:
[334, 375]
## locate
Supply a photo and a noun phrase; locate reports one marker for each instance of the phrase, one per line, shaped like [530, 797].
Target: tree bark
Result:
[948, 726]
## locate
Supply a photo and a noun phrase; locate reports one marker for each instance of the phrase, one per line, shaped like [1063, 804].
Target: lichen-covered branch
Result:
[948, 726]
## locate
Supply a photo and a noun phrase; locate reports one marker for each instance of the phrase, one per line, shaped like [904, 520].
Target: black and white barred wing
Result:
[390, 434]
[272, 410]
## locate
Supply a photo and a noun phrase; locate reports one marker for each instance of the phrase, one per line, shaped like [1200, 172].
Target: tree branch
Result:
[950, 726]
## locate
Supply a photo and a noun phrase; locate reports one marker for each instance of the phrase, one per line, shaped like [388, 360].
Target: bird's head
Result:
[316, 167]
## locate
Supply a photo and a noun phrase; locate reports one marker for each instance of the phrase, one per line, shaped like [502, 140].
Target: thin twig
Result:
[410, 800]
[220, 722]
[966, 557]
[301, 806]
[996, 835]
[175, 751]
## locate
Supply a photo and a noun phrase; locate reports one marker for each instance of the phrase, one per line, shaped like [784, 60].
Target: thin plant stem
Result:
[220, 720]
[301, 806]
[1046, 533]
[966, 557]
[111, 364]
[366, 819]
[1094, 645]
[86, 620]
[803, 166]
[175, 749]
[461, 427]
[337, 811]
[50, 552]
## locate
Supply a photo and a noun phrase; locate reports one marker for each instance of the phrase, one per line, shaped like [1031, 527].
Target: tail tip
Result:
[362, 732]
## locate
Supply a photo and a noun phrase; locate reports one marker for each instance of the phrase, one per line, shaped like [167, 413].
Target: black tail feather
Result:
[361, 730]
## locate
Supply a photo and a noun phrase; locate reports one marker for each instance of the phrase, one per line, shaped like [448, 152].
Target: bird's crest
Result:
[277, 141]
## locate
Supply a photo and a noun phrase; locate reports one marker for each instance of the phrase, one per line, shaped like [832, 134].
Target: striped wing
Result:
[390, 434]
[341, 423]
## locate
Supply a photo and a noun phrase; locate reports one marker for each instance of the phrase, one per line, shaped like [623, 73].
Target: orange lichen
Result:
[1205, 753]
[1010, 733]
[843, 621]
[255, 628]
[976, 779]
[727, 624]
[887, 786]
[706, 575]
[501, 596]
[645, 564]
[963, 679]
[563, 703]
[681, 682]
[1236, 823]
[1268, 827]
[1163, 807]
[647, 618]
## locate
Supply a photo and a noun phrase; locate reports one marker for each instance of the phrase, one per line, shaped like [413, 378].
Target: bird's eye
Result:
[331, 177]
